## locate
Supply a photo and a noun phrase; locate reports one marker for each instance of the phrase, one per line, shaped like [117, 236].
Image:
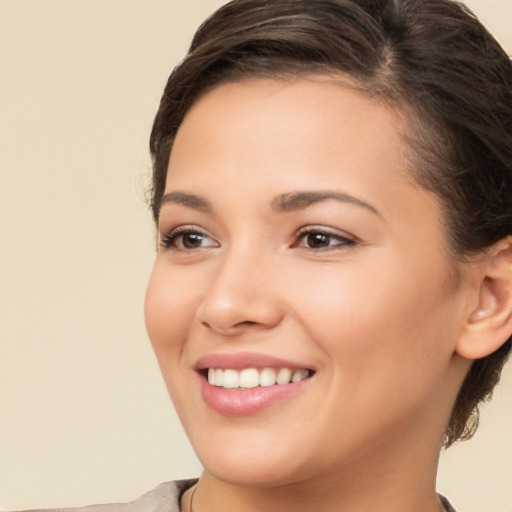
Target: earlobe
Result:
[489, 324]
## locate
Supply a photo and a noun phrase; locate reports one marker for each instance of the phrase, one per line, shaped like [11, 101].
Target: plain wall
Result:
[84, 415]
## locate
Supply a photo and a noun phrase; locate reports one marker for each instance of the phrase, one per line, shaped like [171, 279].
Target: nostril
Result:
[206, 325]
[245, 323]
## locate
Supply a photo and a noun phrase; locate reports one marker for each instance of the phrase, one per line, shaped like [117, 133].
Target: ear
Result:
[489, 324]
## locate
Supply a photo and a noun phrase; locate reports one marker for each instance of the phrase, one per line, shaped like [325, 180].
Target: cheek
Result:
[386, 343]
[379, 316]
[167, 309]
[169, 314]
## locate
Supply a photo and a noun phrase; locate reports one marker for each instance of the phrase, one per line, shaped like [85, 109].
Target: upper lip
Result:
[242, 360]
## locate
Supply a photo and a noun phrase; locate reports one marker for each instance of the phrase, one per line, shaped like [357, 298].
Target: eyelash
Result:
[171, 239]
[343, 241]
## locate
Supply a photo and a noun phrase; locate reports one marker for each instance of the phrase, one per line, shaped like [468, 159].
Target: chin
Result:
[250, 460]
[254, 473]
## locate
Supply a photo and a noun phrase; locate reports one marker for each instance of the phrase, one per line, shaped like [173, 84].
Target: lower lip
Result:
[244, 402]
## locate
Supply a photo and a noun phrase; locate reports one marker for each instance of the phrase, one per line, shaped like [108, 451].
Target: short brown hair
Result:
[431, 60]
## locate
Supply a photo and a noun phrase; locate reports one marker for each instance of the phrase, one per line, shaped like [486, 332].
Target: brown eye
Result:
[192, 240]
[318, 240]
[183, 239]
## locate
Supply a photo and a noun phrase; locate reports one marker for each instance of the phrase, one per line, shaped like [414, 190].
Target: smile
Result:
[250, 378]
[248, 383]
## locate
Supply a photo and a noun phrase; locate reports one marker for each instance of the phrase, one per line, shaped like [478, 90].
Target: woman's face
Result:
[292, 238]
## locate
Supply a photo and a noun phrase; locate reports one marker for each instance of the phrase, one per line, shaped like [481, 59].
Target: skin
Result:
[378, 313]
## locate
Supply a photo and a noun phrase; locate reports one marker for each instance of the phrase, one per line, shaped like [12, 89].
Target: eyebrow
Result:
[301, 200]
[188, 200]
[283, 203]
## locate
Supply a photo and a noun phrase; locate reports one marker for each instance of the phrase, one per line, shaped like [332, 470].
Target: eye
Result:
[317, 239]
[184, 238]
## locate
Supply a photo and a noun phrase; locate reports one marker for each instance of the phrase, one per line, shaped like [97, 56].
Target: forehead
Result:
[278, 126]
[297, 95]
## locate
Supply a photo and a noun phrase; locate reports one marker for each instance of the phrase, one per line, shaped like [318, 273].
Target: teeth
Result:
[284, 376]
[249, 378]
[299, 375]
[267, 377]
[231, 379]
[252, 377]
[219, 377]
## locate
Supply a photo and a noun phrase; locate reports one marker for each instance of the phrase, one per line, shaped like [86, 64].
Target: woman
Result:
[332, 294]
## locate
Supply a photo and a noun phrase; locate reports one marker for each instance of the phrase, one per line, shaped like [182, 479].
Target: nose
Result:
[240, 297]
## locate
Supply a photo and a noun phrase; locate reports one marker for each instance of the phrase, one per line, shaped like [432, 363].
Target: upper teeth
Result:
[252, 377]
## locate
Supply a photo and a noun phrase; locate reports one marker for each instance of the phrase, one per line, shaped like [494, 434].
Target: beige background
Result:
[84, 416]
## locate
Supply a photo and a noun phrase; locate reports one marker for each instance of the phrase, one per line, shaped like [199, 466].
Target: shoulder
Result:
[165, 497]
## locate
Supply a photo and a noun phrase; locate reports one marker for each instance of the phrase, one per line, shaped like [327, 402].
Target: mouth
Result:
[250, 378]
[246, 384]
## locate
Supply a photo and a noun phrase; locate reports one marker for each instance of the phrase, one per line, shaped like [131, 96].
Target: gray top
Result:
[164, 498]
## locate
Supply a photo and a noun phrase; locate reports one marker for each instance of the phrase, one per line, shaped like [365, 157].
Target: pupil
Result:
[192, 240]
[316, 240]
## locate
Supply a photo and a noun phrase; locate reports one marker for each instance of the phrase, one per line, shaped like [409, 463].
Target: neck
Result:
[389, 491]
[397, 474]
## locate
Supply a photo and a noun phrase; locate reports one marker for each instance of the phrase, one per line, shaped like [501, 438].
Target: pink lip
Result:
[243, 360]
[244, 402]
